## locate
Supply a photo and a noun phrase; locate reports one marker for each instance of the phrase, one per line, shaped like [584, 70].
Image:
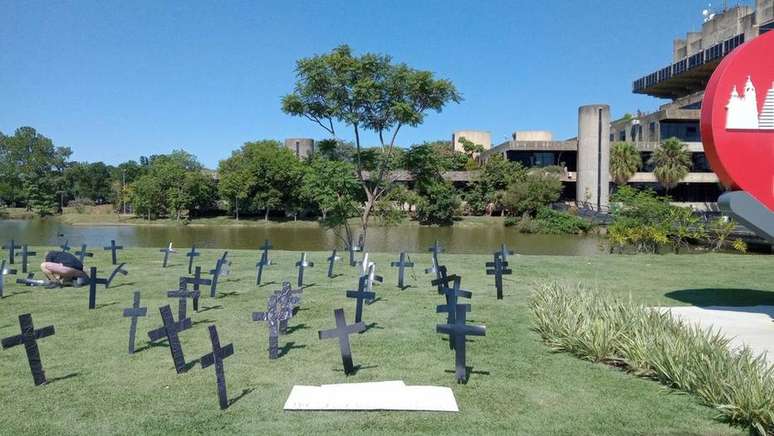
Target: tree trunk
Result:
[266, 215]
[236, 208]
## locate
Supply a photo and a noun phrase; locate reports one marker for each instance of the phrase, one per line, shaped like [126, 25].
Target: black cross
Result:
[93, 282]
[225, 265]
[3, 272]
[352, 248]
[443, 279]
[25, 255]
[342, 332]
[458, 331]
[11, 247]
[66, 246]
[450, 308]
[83, 253]
[134, 312]
[113, 251]
[167, 252]
[191, 254]
[31, 281]
[275, 313]
[504, 252]
[264, 262]
[302, 265]
[360, 295]
[216, 275]
[216, 358]
[196, 281]
[116, 271]
[402, 264]
[182, 296]
[171, 330]
[29, 337]
[289, 299]
[265, 248]
[498, 268]
[331, 262]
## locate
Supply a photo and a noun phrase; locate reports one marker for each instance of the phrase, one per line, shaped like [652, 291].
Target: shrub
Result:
[80, 204]
[650, 343]
[438, 205]
[555, 222]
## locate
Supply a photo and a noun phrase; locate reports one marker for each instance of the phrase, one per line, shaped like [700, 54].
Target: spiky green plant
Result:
[672, 162]
[625, 160]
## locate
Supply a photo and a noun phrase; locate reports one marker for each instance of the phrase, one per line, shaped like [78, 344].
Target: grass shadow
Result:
[357, 368]
[202, 321]
[468, 371]
[226, 294]
[267, 284]
[64, 377]
[285, 349]
[308, 286]
[208, 308]
[16, 293]
[373, 325]
[293, 329]
[244, 393]
[375, 300]
[121, 285]
[100, 306]
[189, 365]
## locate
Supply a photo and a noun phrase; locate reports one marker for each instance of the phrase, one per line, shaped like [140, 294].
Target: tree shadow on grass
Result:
[468, 371]
[730, 299]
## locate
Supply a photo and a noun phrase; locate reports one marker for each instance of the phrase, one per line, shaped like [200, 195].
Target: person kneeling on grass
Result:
[61, 268]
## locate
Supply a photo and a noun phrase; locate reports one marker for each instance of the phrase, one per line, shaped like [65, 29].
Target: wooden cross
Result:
[25, 255]
[450, 308]
[29, 337]
[302, 265]
[83, 253]
[459, 330]
[191, 254]
[216, 358]
[66, 246]
[274, 314]
[331, 261]
[3, 272]
[182, 296]
[119, 269]
[134, 312]
[196, 281]
[498, 268]
[401, 264]
[288, 299]
[171, 331]
[113, 251]
[360, 295]
[167, 251]
[342, 332]
[11, 247]
[504, 252]
[93, 282]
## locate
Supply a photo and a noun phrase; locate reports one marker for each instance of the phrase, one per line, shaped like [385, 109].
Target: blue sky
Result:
[117, 80]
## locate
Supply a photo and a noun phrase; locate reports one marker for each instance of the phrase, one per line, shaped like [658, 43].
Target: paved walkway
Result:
[746, 325]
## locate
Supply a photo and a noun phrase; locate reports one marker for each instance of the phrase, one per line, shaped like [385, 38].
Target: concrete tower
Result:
[301, 147]
[593, 184]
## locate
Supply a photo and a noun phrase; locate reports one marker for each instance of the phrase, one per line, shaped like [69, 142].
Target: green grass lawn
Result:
[517, 385]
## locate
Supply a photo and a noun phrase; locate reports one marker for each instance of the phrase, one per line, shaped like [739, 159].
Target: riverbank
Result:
[517, 385]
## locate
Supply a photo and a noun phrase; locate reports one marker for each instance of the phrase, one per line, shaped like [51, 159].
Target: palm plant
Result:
[672, 162]
[625, 160]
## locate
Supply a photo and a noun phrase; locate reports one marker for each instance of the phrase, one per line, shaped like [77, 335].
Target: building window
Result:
[622, 135]
[612, 137]
[652, 131]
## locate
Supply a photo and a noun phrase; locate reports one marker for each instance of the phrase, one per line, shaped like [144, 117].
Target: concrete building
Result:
[302, 147]
[694, 59]
[475, 136]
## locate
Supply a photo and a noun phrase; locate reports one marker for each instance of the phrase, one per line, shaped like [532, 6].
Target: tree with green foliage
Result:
[625, 161]
[488, 188]
[532, 190]
[334, 189]
[672, 162]
[89, 180]
[366, 93]
[438, 203]
[472, 151]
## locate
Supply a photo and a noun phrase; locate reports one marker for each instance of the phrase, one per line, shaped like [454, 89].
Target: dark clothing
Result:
[65, 259]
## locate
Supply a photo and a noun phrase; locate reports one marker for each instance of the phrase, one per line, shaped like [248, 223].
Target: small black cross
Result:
[342, 332]
[458, 331]
[498, 268]
[171, 330]
[113, 247]
[29, 337]
[504, 252]
[216, 358]
[25, 255]
[66, 246]
[275, 313]
[443, 279]
[360, 295]
[191, 254]
[289, 299]
[119, 269]
[83, 253]
[134, 312]
[167, 251]
[196, 281]
[450, 308]
[182, 296]
[264, 262]
[402, 264]
[4, 272]
[219, 265]
[302, 265]
[93, 282]
[331, 262]
[11, 247]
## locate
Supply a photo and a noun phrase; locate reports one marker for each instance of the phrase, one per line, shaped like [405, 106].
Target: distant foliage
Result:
[549, 221]
[438, 205]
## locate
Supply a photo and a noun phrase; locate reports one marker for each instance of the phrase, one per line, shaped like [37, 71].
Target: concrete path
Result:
[746, 325]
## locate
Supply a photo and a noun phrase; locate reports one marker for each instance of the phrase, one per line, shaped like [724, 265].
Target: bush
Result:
[555, 222]
[438, 205]
[80, 204]
[650, 343]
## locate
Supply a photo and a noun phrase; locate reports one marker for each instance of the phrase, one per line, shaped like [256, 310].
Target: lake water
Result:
[411, 238]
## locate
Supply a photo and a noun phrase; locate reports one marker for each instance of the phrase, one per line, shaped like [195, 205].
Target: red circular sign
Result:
[737, 119]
